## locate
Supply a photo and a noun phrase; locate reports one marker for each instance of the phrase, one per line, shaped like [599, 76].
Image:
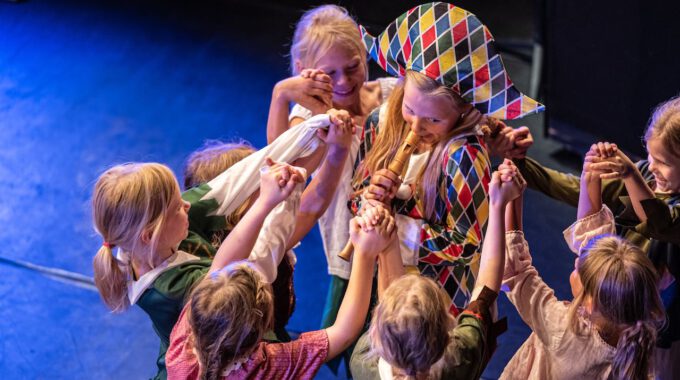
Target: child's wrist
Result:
[264, 206]
[337, 153]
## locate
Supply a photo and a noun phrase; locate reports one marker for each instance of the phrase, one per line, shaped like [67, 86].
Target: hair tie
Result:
[108, 245]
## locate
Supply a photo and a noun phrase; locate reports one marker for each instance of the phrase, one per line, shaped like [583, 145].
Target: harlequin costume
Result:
[451, 46]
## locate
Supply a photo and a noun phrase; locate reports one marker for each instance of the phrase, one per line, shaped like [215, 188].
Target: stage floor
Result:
[85, 85]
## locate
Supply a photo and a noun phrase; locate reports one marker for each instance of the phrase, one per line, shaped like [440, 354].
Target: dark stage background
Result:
[88, 84]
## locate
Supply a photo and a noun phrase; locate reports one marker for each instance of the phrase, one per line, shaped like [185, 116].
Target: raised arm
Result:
[320, 191]
[354, 307]
[311, 89]
[504, 187]
[619, 166]
[276, 184]
[590, 196]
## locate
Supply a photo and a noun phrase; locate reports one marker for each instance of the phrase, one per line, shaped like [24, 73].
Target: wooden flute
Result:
[397, 167]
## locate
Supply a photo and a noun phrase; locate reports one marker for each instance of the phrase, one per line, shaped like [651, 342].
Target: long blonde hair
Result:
[128, 201]
[318, 31]
[621, 282]
[230, 312]
[410, 327]
[394, 130]
[665, 125]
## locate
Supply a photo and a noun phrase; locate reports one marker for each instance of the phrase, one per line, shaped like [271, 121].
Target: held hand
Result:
[619, 166]
[277, 182]
[501, 140]
[374, 241]
[341, 130]
[383, 186]
[506, 184]
[523, 140]
[313, 92]
[372, 215]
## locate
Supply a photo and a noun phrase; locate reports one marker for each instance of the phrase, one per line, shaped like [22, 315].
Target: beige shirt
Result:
[553, 350]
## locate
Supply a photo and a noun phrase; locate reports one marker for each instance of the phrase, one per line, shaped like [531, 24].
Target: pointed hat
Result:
[451, 46]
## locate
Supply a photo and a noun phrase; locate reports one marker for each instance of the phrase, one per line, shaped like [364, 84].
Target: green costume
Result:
[466, 355]
[165, 296]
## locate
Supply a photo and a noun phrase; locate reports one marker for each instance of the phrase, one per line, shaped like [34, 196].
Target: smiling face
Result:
[431, 117]
[348, 73]
[664, 165]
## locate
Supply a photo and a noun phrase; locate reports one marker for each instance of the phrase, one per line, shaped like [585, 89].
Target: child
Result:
[131, 206]
[609, 329]
[329, 68]
[441, 198]
[412, 334]
[212, 159]
[220, 332]
[328, 63]
[645, 200]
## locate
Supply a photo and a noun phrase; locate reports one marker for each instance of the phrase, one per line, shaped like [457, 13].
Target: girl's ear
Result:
[146, 236]
[588, 304]
[298, 66]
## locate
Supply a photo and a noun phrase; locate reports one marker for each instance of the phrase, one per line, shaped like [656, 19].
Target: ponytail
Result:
[110, 279]
[633, 358]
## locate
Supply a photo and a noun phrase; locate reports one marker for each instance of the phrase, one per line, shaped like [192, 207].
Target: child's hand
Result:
[501, 140]
[617, 167]
[383, 186]
[506, 184]
[372, 240]
[341, 130]
[523, 141]
[278, 181]
[371, 215]
[311, 89]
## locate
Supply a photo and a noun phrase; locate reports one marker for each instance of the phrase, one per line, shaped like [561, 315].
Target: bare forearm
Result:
[354, 307]
[241, 240]
[638, 191]
[277, 122]
[390, 267]
[493, 252]
[590, 197]
[319, 193]
[513, 214]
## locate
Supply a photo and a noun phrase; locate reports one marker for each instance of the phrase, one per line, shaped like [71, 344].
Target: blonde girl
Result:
[412, 333]
[328, 64]
[441, 199]
[164, 238]
[645, 199]
[138, 208]
[220, 332]
[608, 331]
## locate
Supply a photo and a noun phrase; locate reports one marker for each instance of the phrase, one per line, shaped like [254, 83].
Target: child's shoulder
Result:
[175, 282]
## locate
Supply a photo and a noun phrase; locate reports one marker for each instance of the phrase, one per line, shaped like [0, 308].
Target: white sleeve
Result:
[232, 187]
[276, 231]
[299, 111]
[579, 234]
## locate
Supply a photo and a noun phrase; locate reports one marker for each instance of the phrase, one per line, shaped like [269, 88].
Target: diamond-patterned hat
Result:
[450, 45]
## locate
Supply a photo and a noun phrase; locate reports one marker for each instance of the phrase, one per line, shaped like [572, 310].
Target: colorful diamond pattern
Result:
[448, 43]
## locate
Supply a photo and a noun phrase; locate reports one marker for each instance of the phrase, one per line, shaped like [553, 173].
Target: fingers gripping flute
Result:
[396, 166]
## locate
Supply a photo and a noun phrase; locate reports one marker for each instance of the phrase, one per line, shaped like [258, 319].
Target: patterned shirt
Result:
[449, 246]
[299, 359]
